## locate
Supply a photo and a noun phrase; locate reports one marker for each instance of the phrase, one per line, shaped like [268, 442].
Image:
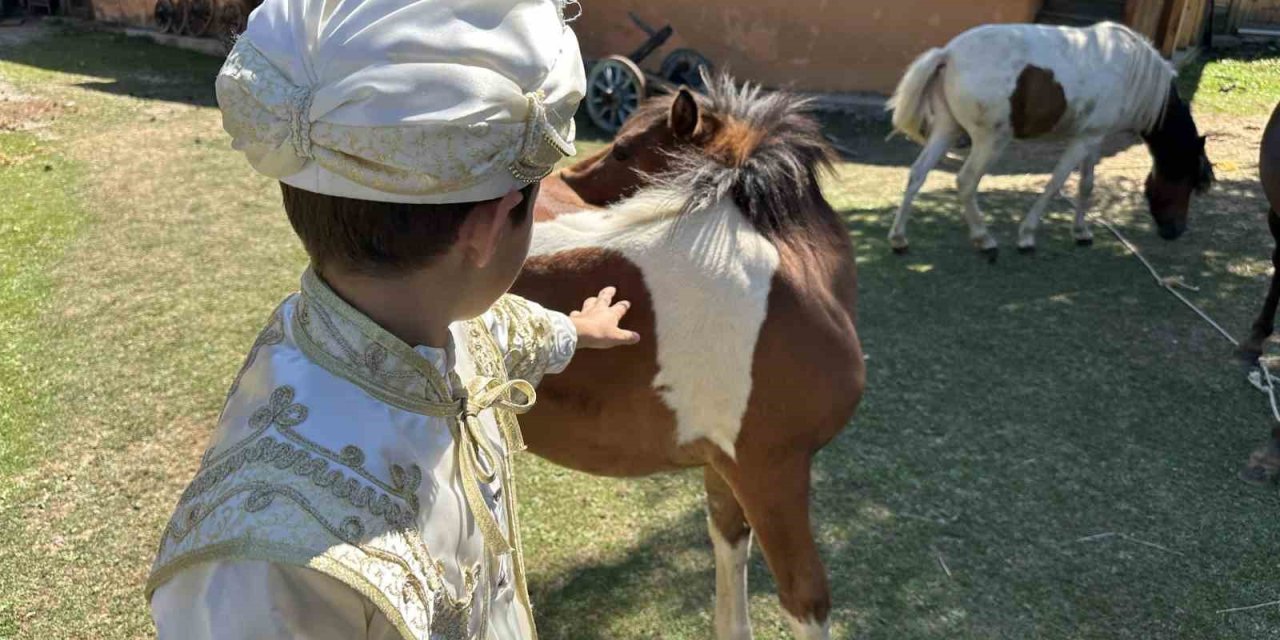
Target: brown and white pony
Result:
[1004, 82]
[743, 287]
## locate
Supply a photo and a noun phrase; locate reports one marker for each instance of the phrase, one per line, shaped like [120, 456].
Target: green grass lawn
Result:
[40, 217]
[1239, 81]
[1046, 449]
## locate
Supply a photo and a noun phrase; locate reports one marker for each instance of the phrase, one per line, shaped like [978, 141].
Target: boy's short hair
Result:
[379, 238]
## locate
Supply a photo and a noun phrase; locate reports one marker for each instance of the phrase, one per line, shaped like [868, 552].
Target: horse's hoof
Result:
[1263, 466]
[990, 253]
[1256, 476]
[1249, 353]
[901, 251]
[1027, 251]
[1084, 242]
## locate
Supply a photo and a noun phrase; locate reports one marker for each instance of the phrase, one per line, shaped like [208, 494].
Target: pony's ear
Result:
[685, 116]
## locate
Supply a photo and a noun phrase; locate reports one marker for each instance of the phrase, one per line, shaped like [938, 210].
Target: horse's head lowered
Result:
[1181, 168]
[762, 149]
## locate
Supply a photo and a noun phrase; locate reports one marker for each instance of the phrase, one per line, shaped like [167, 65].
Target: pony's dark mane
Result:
[773, 177]
[1176, 147]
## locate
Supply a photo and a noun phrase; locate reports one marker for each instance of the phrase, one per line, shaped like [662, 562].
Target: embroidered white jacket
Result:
[339, 496]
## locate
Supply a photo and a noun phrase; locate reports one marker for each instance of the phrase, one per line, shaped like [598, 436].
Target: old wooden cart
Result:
[616, 84]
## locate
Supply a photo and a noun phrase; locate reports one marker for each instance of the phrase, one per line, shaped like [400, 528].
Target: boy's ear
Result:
[483, 231]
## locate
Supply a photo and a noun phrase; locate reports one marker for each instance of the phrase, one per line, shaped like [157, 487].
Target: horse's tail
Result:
[917, 95]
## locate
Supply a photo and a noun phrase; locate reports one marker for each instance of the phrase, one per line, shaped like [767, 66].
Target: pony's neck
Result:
[1174, 138]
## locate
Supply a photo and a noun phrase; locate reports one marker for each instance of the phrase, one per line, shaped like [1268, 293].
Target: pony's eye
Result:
[621, 154]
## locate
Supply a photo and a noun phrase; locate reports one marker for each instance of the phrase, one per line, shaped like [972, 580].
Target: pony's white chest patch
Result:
[709, 277]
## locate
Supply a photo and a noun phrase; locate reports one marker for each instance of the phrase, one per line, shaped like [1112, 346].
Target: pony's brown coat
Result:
[1038, 103]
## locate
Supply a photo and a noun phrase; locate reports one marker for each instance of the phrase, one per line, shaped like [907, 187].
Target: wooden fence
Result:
[1170, 24]
[1245, 13]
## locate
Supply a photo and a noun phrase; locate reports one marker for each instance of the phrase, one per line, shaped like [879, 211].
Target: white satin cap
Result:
[417, 101]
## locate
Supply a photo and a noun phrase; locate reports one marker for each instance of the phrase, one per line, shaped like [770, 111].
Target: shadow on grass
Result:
[670, 572]
[121, 65]
[866, 138]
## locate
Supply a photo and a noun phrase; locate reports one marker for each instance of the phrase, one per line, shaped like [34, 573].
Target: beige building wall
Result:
[135, 13]
[806, 45]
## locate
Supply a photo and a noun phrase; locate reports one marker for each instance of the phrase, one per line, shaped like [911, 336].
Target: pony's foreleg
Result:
[1266, 322]
[731, 537]
[1080, 230]
[773, 489]
[986, 148]
[1071, 158]
[943, 136]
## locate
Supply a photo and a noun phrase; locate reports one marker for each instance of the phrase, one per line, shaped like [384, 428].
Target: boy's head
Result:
[404, 132]
[488, 241]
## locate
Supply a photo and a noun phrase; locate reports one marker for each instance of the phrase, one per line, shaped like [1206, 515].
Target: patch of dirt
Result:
[21, 115]
[20, 111]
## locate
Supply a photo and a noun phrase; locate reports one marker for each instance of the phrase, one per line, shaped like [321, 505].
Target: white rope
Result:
[1262, 379]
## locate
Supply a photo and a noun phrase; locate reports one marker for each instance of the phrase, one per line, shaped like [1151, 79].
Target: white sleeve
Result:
[249, 599]
[534, 340]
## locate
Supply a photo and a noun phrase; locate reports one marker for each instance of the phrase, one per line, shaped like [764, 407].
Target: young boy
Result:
[359, 484]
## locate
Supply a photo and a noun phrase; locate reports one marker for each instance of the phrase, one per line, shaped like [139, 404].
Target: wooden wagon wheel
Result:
[685, 67]
[232, 19]
[167, 16]
[200, 16]
[615, 88]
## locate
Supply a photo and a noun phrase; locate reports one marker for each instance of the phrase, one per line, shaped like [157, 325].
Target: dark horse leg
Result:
[1265, 324]
[1264, 463]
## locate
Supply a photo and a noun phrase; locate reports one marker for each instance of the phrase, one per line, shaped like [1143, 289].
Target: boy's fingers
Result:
[606, 296]
[589, 304]
[574, 314]
[628, 337]
[621, 308]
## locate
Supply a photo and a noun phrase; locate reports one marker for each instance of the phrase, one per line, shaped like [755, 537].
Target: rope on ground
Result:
[1262, 378]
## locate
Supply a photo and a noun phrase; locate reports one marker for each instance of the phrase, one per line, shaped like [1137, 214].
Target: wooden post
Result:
[1192, 23]
[1172, 27]
[1131, 8]
[1144, 16]
[1236, 14]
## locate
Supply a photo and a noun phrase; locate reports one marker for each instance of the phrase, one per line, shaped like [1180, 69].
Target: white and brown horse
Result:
[743, 286]
[1004, 82]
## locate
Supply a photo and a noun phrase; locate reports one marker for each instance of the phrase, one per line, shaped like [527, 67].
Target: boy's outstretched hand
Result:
[597, 322]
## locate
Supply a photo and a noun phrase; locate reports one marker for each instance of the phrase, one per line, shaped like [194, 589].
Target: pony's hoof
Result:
[1084, 242]
[901, 251]
[1027, 251]
[990, 253]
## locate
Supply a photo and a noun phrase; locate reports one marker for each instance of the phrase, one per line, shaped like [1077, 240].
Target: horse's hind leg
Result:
[986, 148]
[940, 140]
[1266, 322]
[1080, 230]
[731, 537]
[774, 492]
